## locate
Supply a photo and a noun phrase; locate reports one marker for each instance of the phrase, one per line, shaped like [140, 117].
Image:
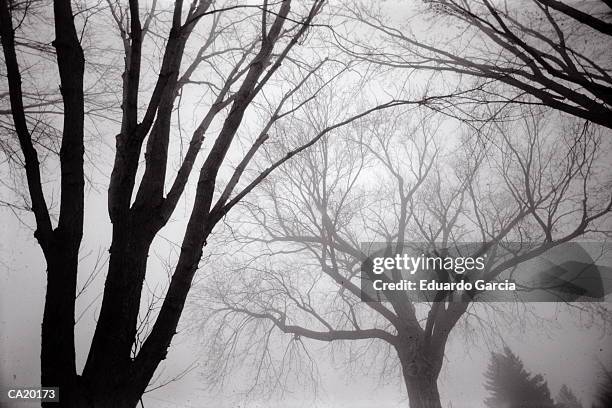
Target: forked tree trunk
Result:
[421, 353]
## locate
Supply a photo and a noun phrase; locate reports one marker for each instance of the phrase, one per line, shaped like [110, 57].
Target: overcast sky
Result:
[562, 346]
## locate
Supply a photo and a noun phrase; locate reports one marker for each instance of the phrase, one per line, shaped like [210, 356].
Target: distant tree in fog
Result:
[567, 399]
[604, 393]
[511, 386]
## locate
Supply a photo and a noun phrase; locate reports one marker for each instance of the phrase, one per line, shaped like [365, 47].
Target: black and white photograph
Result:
[306, 204]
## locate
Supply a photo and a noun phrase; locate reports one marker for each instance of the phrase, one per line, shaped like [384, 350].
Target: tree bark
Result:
[58, 368]
[421, 360]
[421, 381]
[421, 353]
[422, 392]
[109, 368]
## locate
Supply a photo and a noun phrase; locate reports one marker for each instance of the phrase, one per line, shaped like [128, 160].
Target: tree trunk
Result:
[126, 397]
[421, 353]
[420, 369]
[109, 372]
[111, 384]
[422, 391]
[58, 368]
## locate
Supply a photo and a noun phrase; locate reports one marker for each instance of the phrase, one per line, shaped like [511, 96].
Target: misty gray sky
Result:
[563, 346]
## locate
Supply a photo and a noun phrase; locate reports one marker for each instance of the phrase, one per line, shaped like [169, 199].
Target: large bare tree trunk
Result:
[422, 392]
[58, 367]
[421, 353]
[420, 369]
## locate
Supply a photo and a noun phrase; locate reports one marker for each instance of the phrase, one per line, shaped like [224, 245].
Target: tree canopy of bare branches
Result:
[397, 179]
[548, 52]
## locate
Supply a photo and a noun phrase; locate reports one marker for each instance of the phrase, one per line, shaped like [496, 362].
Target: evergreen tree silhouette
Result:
[567, 399]
[604, 395]
[512, 386]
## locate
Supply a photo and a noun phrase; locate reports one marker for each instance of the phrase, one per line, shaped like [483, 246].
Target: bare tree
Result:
[241, 60]
[548, 52]
[402, 180]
